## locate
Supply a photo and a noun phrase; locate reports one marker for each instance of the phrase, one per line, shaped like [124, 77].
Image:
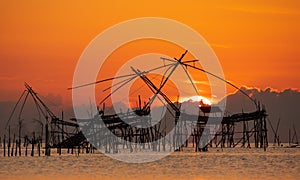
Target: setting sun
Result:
[195, 99]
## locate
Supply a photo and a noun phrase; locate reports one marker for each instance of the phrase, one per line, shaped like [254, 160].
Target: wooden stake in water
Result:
[32, 144]
[16, 150]
[39, 147]
[4, 148]
[12, 149]
[8, 148]
[26, 145]
[47, 147]
[20, 127]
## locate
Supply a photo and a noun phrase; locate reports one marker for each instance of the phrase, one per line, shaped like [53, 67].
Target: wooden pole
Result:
[47, 146]
[32, 144]
[265, 134]
[8, 148]
[248, 137]
[13, 145]
[4, 148]
[62, 126]
[20, 150]
[26, 145]
[59, 146]
[39, 147]
[20, 129]
[196, 140]
[16, 150]
[244, 134]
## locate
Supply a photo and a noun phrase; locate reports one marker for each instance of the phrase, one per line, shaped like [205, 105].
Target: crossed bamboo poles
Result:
[171, 67]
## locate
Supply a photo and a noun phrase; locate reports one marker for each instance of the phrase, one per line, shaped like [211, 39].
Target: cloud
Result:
[53, 99]
[30, 114]
[197, 82]
[279, 104]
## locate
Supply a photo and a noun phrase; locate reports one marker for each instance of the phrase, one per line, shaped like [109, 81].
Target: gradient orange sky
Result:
[41, 41]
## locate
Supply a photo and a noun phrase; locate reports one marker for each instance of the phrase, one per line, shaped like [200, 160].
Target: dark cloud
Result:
[30, 115]
[279, 104]
[53, 99]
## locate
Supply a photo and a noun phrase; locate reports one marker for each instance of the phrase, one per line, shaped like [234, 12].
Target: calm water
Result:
[236, 163]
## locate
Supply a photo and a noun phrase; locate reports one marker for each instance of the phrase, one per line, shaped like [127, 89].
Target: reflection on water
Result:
[235, 163]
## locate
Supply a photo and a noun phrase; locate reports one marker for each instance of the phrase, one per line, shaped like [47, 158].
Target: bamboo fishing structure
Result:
[111, 134]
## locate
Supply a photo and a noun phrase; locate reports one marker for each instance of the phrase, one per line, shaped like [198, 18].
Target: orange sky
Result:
[40, 42]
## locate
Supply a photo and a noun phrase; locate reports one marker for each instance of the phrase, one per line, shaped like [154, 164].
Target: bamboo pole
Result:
[12, 149]
[20, 150]
[26, 145]
[32, 144]
[47, 146]
[39, 147]
[16, 150]
[4, 146]
[20, 129]
[8, 148]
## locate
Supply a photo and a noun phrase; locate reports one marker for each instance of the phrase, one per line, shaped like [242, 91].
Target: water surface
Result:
[235, 163]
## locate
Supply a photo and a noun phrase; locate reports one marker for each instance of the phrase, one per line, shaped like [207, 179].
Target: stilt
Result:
[16, 150]
[13, 146]
[26, 145]
[20, 130]
[47, 146]
[4, 146]
[39, 147]
[32, 145]
[8, 148]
